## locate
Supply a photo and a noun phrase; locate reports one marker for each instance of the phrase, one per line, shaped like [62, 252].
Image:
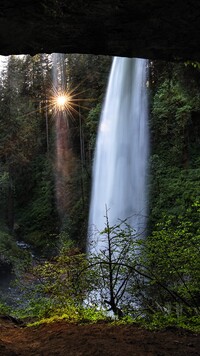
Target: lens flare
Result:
[61, 101]
[67, 102]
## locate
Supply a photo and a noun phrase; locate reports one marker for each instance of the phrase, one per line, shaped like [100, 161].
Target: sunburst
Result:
[68, 101]
[62, 101]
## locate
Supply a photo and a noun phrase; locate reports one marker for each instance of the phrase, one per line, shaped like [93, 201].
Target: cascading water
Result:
[120, 163]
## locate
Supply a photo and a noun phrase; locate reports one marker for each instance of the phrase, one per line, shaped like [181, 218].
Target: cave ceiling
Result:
[152, 29]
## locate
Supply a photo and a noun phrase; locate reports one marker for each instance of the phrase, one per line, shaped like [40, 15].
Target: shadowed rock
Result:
[146, 28]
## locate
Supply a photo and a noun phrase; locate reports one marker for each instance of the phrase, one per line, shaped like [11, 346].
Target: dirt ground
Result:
[61, 338]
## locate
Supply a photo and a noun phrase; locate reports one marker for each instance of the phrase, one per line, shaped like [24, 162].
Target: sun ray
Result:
[68, 102]
[76, 87]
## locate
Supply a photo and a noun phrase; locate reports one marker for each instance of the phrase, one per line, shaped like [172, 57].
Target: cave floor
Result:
[62, 338]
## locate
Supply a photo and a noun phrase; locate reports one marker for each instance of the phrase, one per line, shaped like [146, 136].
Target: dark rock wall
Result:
[136, 28]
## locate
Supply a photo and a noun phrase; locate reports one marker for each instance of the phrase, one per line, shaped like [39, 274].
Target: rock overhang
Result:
[152, 29]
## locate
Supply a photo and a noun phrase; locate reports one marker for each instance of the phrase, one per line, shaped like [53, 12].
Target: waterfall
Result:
[120, 162]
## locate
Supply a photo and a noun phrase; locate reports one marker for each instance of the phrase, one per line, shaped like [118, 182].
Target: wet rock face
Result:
[146, 28]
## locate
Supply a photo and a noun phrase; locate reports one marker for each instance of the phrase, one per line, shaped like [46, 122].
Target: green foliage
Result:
[173, 262]
[173, 190]
[36, 215]
[157, 287]
[73, 314]
[11, 255]
[92, 124]
[62, 277]
[171, 254]
[25, 164]
[36, 308]
[56, 289]
[4, 309]
[193, 64]
[175, 128]
[162, 321]
[18, 139]
[75, 223]
[21, 139]
[172, 112]
[57, 284]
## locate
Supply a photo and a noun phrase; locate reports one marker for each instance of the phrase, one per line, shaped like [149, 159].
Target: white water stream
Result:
[121, 158]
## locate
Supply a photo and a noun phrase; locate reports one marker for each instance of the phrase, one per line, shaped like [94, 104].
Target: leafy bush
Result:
[56, 284]
[161, 321]
[173, 262]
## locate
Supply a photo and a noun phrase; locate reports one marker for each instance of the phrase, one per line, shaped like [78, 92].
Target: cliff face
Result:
[145, 28]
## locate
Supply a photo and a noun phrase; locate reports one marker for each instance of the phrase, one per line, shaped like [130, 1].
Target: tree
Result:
[18, 138]
[113, 264]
